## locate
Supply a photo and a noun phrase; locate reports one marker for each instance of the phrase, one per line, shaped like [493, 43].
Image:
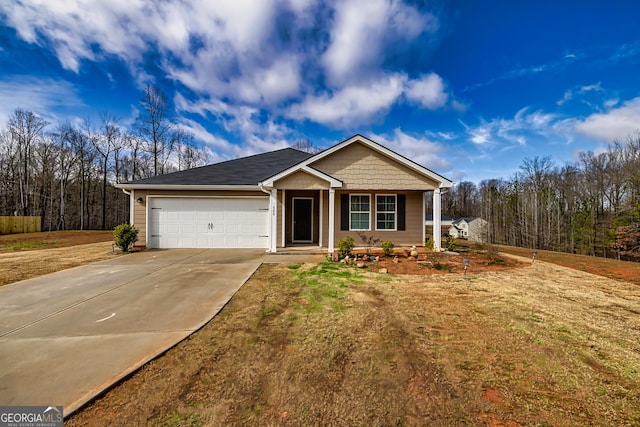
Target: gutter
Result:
[187, 187]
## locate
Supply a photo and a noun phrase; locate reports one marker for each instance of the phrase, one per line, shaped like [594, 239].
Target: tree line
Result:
[65, 172]
[590, 207]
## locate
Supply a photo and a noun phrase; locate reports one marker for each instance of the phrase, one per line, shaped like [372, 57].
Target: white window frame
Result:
[369, 212]
[395, 213]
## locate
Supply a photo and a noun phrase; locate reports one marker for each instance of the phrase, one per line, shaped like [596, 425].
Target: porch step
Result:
[300, 251]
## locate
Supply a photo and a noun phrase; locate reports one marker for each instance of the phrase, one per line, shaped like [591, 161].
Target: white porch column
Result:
[437, 240]
[284, 218]
[320, 216]
[332, 197]
[424, 217]
[273, 220]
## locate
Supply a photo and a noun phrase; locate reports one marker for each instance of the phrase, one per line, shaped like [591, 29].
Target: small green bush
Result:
[450, 244]
[125, 235]
[428, 244]
[345, 246]
[387, 247]
[441, 267]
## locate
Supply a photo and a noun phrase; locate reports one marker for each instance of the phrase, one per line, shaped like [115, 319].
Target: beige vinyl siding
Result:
[413, 219]
[140, 209]
[301, 181]
[361, 168]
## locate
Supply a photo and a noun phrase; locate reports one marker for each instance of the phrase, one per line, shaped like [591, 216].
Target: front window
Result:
[385, 212]
[359, 211]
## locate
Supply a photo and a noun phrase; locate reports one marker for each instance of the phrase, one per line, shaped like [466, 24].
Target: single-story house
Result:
[473, 229]
[445, 220]
[289, 197]
[445, 223]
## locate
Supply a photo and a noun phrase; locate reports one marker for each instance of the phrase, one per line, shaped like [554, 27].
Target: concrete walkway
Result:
[67, 336]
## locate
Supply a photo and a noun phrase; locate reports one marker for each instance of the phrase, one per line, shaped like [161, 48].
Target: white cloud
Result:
[524, 128]
[247, 63]
[362, 29]
[42, 96]
[481, 134]
[616, 123]
[257, 136]
[361, 103]
[419, 149]
[352, 105]
[580, 90]
[428, 91]
[201, 134]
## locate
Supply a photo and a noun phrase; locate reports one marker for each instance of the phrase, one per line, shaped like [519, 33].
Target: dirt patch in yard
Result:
[335, 345]
[428, 262]
[29, 258]
[607, 267]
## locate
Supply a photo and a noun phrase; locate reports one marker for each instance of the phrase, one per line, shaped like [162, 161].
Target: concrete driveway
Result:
[67, 336]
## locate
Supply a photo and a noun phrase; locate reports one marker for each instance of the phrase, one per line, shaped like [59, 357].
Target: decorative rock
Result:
[395, 260]
[365, 257]
[383, 271]
[360, 265]
[414, 252]
[412, 258]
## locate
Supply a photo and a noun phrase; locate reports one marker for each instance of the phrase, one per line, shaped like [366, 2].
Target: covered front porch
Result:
[317, 219]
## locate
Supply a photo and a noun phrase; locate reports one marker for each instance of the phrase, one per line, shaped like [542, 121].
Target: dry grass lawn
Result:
[23, 256]
[541, 344]
[330, 345]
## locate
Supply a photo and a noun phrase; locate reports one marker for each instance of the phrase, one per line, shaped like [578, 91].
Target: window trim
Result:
[395, 212]
[369, 212]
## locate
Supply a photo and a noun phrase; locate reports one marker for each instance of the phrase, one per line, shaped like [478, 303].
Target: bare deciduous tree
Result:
[25, 130]
[156, 127]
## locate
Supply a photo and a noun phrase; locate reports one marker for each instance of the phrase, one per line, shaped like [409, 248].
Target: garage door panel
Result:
[208, 222]
[248, 228]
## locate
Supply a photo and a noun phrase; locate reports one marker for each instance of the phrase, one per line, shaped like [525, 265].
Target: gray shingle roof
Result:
[243, 171]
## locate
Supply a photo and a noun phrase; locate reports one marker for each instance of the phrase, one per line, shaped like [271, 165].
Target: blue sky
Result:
[466, 88]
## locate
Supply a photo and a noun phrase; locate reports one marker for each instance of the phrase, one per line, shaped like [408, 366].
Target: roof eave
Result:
[126, 186]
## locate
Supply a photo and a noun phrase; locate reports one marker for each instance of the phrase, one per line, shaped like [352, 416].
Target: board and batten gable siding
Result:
[412, 235]
[140, 209]
[362, 168]
[301, 181]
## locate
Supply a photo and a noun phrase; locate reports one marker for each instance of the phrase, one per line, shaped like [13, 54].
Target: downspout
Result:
[273, 218]
[130, 194]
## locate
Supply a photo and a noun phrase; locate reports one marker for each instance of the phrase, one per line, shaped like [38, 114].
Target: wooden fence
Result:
[19, 224]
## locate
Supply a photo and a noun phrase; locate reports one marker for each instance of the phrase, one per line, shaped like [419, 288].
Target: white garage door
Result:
[208, 222]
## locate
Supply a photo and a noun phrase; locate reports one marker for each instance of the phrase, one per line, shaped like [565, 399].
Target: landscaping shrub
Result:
[125, 235]
[428, 244]
[387, 247]
[345, 246]
[450, 244]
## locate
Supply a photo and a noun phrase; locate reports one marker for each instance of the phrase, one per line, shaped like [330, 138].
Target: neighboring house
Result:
[474, 229]
[445, 220]
[288, 197]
